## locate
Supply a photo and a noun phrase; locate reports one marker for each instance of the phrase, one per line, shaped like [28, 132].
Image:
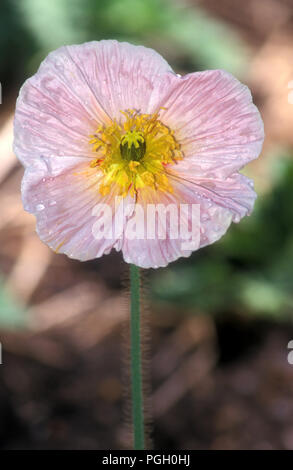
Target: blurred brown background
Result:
[219, 323]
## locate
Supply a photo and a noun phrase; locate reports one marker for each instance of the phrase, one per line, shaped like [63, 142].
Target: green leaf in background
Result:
[187, 36]
[208, 42]
[12, 314]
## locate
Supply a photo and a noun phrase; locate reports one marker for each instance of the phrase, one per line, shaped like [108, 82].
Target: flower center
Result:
[135, 153]
[133, 146]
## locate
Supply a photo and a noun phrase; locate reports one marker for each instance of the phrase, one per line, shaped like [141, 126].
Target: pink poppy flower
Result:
[106, 121]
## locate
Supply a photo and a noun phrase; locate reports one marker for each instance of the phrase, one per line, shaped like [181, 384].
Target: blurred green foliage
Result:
[29, 29]
[12, 314]
[16, 43]
[250, 270]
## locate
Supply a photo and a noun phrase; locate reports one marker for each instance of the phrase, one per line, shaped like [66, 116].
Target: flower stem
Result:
[135, 352]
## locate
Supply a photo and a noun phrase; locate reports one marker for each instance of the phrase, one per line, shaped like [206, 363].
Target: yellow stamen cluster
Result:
[134, 153]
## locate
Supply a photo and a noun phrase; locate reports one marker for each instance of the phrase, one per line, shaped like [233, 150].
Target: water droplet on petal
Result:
[40, 207]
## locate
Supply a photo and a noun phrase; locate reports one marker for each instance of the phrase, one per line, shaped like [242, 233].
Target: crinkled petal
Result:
[68, 206]
[215, 121]
[159, 250]
[123, 76]
[235, 192]
[77, 88]
[219, 202]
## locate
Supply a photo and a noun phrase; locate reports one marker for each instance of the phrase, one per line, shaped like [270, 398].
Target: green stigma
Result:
[133, 146]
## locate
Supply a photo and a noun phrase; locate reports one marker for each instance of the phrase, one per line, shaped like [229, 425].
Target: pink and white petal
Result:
[220, 203]
[215, 121]
[123, 76]
[157, 252]
[55, 113]
[68, 206]
[235, 192]
[79, 87]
